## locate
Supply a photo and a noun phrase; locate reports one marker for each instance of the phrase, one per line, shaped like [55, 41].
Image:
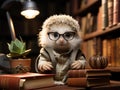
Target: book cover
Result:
[87, 82]
[88, 73]
[25, 81]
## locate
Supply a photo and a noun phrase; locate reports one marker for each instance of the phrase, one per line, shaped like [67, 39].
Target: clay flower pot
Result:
[18, 56]
[20, 65]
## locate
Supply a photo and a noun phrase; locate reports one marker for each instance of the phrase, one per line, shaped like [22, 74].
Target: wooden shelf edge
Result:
[115, 82]
[85, 7]
[114, 69]
[102, 32]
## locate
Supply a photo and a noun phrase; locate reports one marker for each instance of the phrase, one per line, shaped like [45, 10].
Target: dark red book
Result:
[25, 81]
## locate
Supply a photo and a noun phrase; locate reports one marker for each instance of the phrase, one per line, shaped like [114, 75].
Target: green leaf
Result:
[17, 48]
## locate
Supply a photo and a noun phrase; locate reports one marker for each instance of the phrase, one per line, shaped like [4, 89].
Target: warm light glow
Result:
[30, 14]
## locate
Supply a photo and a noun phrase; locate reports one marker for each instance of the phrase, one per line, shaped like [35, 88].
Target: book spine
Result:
[98, 73]
[81, 82]
[118, 51]
[104, 14]
[113, 51]
[76, 73]
[99, 25]
[99, 46]
[109, 52]
[87, 82]
[82, 22]
[116, 11]
[98, 81]
[88, 73]
[88, 26]
[9, 83]
[104, 48]
[110, 13]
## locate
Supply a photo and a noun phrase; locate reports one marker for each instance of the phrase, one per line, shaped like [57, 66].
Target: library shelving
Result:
[99, 22]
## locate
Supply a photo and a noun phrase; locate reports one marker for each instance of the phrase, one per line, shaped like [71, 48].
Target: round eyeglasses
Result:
[55, 35]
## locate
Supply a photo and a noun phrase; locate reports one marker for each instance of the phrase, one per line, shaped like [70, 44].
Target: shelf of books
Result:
[100, 26]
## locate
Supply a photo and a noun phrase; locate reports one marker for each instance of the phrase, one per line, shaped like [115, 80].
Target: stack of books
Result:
[88, 77]
[25, 81]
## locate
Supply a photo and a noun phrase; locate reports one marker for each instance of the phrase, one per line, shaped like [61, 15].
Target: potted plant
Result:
[18, 56]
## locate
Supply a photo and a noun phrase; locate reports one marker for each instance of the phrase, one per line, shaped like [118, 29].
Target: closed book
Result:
[77, 82]
[110, 12]
[87, 82]
[83, 24]
[116, 12]
[25, 81]
[104, 14]
[104, 47]
[117, 51]
[99, 19]
[88, 73]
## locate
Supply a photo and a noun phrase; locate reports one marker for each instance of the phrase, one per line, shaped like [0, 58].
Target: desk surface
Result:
[114, 85]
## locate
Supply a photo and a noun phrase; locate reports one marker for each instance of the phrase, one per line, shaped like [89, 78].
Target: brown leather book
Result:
[110, 12]
[88, 73]
[25, 81]
[87, 82]
[116, 12]
[104, 14]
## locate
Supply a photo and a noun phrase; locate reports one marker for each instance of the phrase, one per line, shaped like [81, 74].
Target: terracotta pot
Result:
[20, 65]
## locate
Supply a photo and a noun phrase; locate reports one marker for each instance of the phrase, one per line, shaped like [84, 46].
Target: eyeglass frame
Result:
[63, 35]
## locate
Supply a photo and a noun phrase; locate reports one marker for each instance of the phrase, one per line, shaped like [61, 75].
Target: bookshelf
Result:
[102, 33]
[104, 16]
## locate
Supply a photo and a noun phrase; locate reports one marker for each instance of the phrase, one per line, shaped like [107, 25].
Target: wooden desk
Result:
[114, 85]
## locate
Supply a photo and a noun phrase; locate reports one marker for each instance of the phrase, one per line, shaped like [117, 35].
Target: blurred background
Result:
[28, 29]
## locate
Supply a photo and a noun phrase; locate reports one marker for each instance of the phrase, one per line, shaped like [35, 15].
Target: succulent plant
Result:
[17, 49]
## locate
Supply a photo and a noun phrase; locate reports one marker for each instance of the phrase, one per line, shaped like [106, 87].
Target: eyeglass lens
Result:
[66, 35]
